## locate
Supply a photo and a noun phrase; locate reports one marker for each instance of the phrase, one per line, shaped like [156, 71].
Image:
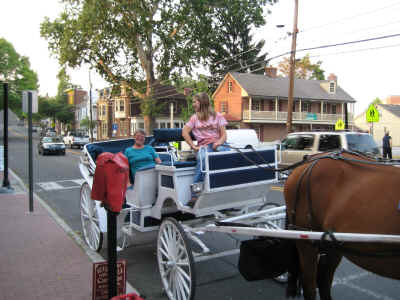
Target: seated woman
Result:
[140, 155]
[208, 127]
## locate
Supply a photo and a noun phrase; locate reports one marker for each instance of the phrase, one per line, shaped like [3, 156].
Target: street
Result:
[57, 181]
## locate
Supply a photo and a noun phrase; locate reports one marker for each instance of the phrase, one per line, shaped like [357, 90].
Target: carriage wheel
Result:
[90, 220]
[175, 261]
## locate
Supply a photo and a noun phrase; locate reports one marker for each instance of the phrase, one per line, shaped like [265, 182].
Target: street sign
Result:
[372, 114]
[114, 126]
[100, 279]
[339, 125]
[35, 105]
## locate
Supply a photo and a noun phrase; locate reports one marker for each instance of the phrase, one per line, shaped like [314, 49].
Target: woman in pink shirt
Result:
[208, 127]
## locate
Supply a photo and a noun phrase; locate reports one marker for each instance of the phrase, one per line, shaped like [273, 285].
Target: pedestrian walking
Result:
[387, 146]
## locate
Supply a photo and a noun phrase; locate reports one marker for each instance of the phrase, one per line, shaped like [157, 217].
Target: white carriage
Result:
[235, 183]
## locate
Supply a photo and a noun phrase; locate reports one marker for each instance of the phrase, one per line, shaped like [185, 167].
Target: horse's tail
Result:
[293, 288]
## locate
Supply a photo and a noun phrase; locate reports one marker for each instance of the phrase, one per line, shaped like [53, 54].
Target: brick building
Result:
[260, 102]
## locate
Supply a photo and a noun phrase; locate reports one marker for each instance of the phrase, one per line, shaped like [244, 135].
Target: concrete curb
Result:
[94, 257]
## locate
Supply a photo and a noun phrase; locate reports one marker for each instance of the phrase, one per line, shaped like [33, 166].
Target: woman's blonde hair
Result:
[205, 110]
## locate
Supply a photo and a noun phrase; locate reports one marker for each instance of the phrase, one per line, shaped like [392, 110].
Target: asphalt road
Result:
[56, 181]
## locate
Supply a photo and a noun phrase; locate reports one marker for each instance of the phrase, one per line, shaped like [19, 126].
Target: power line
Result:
[349, 17]
[358, 50]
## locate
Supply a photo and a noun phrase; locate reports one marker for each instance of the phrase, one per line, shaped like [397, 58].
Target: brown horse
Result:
[342, 192]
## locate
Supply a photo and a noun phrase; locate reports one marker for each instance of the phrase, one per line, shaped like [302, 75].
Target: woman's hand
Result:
[216, 145]
[195, 147]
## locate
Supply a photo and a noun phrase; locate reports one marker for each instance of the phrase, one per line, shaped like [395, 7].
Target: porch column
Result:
[250, 105]
[322, 110]
[276, 108]
[343, 112]
[300, 112]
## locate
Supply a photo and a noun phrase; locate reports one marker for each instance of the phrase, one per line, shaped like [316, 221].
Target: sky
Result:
[365, 70]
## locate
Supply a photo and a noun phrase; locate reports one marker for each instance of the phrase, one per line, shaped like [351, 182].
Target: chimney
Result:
[271, 72]
[332, 77]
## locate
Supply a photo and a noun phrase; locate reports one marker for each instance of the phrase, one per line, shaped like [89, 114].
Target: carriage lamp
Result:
[196, 187]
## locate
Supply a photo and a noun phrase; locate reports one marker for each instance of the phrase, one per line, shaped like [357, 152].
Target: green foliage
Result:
[376, 101]
[194, 87]
[16, 70]
[304, 68]
[233, 48]
[87, 124]
[140, 40]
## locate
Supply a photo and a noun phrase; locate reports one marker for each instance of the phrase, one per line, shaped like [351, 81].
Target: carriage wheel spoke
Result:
[183, 281]
[184, 274]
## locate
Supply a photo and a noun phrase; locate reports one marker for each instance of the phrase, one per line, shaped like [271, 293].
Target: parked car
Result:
[76, 139]
[293, 148]
[242, 138]
[51, 145]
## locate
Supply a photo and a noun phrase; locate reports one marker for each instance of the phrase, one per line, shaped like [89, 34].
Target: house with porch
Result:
[125, 114]
[260, 102]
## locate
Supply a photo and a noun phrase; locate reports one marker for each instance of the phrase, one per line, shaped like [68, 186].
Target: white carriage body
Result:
[166, 189]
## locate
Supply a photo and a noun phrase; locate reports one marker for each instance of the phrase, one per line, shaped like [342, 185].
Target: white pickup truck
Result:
[75, 139]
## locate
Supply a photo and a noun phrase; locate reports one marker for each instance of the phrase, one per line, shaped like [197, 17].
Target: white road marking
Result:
[346, 281]
[56, 185]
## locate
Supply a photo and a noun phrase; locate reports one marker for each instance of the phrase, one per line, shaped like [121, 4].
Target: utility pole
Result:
[90, 109]
[292, 68]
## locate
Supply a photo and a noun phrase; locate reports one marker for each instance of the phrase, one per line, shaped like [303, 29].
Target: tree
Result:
[190, 87]
[16, 70]
[304, 68]
[376, 101]
[233, 49]
[139, 42]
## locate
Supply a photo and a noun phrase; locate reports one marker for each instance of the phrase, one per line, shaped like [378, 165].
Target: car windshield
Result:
[362, 143]
[51, 140]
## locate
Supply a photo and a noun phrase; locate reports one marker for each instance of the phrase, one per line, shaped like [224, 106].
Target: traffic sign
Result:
[372, 114]
[339, 125]
[114, 126]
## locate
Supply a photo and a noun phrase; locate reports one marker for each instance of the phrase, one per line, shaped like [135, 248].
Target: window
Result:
[306, 106]
[255, 105]
[229, 86]
[329, 142]
[224, 106]
[332, 87]
[334, 109]
[122, 105]
[305, 142]
[103, 109]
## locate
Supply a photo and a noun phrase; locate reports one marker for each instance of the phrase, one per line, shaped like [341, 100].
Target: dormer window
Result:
[332, 87]
[229, 86]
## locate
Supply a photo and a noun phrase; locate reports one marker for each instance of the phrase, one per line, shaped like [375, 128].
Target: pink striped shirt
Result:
[206, 132]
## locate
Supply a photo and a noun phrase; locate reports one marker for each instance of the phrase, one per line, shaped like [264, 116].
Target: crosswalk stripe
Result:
[58, 185]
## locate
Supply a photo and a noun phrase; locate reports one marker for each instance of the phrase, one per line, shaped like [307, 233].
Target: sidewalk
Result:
[38, 259]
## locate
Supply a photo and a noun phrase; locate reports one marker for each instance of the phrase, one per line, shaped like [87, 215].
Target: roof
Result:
[263, 86]
[167, 92]
[393, 108]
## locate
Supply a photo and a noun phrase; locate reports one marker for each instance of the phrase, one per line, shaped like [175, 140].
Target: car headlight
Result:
[62, 146]
[46, 146]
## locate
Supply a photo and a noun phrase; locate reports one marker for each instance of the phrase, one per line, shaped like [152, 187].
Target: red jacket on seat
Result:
[110, 180]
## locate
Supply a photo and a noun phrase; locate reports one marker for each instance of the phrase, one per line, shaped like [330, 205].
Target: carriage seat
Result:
[144, 191]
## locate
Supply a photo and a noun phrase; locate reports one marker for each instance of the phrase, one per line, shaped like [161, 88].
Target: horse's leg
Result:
[327, 265]
[308, 255]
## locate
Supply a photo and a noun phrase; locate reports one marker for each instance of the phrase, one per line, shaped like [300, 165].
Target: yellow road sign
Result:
[372, 114]
[339, 125]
